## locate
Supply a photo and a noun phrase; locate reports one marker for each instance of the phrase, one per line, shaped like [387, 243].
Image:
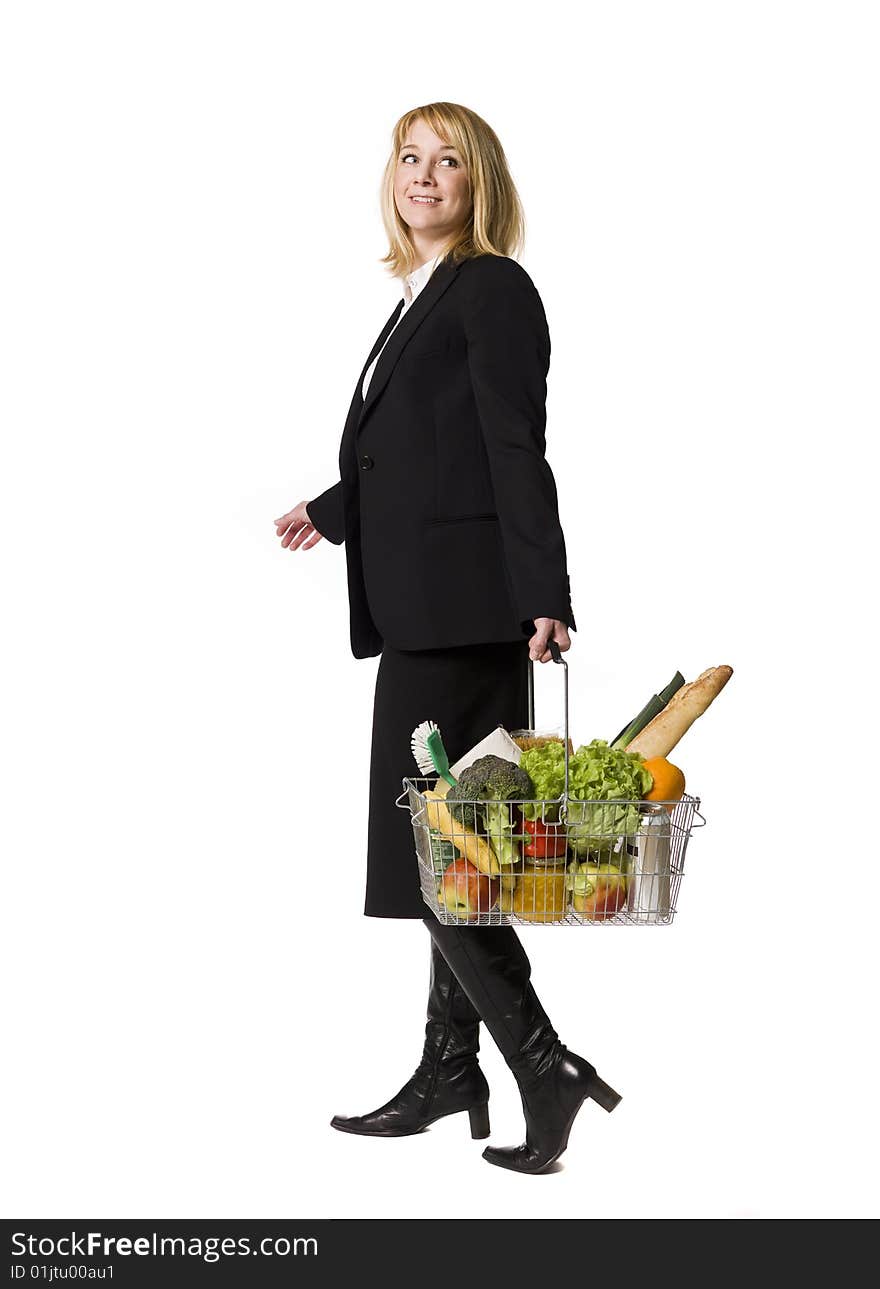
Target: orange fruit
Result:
[668, 781]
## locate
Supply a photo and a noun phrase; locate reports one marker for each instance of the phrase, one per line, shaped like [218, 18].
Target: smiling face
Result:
[429, 169]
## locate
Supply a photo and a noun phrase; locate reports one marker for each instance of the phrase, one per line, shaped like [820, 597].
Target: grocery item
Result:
[497, 743]
[466, 892]
[603, 784]
[526, 740]
[540, 894]
[472, 847]
[442, 853]
[546, 840]
[428, 751]
[596, 772]
[480, 800]
[652, 708]
[648, 894]
[598, 891]
[663, 733]
[668, 781]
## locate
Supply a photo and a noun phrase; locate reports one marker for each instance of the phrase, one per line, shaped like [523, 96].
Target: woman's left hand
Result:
[547, 629]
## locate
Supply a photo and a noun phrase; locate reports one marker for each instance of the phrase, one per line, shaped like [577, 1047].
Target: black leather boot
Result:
[448, 1079]
[492, 966]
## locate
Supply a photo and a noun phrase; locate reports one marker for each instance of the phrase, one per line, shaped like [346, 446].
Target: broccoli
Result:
[479, 798]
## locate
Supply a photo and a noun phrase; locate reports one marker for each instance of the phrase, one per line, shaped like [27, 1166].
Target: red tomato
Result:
[546, 840]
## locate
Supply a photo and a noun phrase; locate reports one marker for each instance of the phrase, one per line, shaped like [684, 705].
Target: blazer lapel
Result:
[380, 342]
[357, 400]
[441, 278]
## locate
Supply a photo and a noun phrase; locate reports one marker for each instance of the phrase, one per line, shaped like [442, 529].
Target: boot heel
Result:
[479, 1117]
[604, 1095]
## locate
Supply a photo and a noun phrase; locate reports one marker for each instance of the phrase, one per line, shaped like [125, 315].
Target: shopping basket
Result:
[591, 872]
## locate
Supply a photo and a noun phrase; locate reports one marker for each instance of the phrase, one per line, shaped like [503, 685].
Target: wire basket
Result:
[576, 863]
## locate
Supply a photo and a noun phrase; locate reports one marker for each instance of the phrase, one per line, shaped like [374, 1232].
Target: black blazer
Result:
[445, 502]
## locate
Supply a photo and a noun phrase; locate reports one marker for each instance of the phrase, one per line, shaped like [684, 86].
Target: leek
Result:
[672, 688]
[651, 709]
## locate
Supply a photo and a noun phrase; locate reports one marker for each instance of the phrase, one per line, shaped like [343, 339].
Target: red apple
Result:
[598, 890]
[466, 892]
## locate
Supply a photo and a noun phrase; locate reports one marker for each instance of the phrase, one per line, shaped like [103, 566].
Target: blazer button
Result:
[366, 463]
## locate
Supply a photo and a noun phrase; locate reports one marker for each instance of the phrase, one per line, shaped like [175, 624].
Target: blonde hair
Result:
[496, 225]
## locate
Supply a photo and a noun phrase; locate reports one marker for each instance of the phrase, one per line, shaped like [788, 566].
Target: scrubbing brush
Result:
[429, 752]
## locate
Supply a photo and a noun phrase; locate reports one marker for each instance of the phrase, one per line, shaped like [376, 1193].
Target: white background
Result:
[190, 288]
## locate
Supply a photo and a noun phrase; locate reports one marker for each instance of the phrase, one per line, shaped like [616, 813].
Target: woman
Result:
[456, 576]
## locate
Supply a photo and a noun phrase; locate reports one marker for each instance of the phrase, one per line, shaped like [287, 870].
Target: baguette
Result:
[475, 850]
[660, 736]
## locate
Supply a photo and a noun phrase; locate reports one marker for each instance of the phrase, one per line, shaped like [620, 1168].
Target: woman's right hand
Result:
[296, 529]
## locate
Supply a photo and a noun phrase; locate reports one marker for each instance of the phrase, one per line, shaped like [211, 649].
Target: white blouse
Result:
[412, 285]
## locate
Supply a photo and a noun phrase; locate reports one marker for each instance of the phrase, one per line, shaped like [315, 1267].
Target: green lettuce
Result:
[607, 780]
[546, 768]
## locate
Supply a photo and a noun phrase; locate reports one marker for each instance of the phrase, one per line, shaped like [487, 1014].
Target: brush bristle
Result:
[419, 744]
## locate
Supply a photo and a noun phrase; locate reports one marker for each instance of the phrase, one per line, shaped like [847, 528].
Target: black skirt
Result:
[467, 690]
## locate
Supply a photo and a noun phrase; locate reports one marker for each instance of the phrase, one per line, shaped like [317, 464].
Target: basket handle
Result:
[556, 655]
